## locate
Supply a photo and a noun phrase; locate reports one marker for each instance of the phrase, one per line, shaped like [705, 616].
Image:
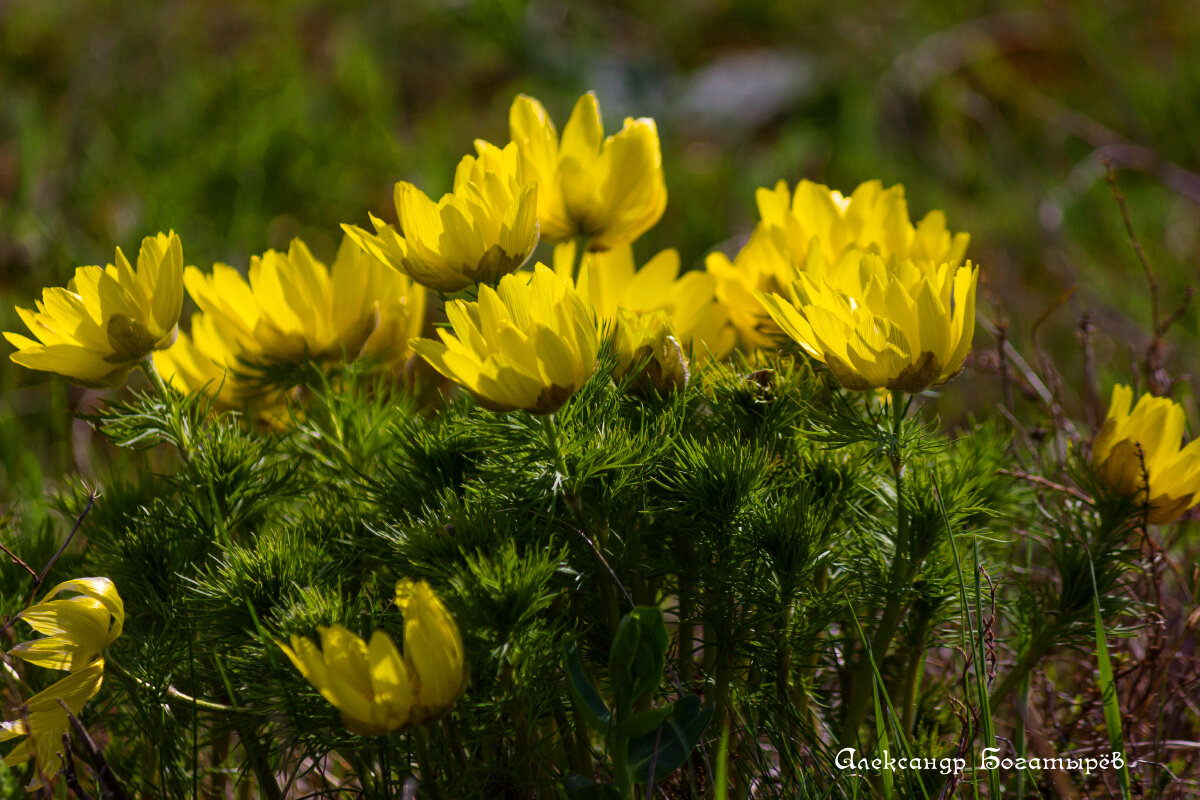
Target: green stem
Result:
[1034, 653]
[912, 675]
[160, 386]
[862, 684]
[428, 780]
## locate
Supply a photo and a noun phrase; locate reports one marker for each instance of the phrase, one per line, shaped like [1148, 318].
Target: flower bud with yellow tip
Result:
[1139, 453]
[485, 228]
[107, 319]
[646, 342]
[902, 329]
[610, 190]
[433, 651]
[529, 344]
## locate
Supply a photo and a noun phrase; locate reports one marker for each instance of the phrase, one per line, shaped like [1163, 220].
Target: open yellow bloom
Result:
[1165, 474]
[531, 343]
[902, 329]
[107, 319]
[77, 629]
[819, 231]
[611, 283]
[647, 340]
[292, 309]
[609, 189]
[43, 721]
[376, 689]
[487, 227]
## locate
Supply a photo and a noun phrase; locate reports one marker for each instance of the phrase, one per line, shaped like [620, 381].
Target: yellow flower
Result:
[43, 721]
[609, 189]
[292, 309]
[76, 629]
[819, 231]
[376, 689]
[611, 282]
[531, 343]
[107, 319]
[647, 340]
[487, 227]
[902, 329]
[1165, 475]
[433, 650]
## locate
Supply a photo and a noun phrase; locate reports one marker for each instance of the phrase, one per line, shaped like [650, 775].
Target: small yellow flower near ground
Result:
[528, 344]
[108, 318]
[608, 189]
[43, 721]
[376, 689]
[820, 231]
[485, 228]
[648, 340]
[77, 629]
[1165, 474]
[903, 329]
[292, 309]
[611, 283]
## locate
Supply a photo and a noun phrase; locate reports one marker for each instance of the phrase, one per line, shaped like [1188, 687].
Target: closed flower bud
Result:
[433, 650]
[902, 329]
[528, 344]
[107, 319]
[645, 342]
[1139, 453]
[486, 228]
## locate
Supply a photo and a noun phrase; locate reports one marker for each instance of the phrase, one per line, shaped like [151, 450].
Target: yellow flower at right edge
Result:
[107, 319]
[43, 721]
[902, 329]
[610, 190]
[1165, 474]
[376, 689]
[528, 344]
[485, 228]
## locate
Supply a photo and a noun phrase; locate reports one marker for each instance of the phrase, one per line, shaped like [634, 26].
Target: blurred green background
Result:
[243, 124]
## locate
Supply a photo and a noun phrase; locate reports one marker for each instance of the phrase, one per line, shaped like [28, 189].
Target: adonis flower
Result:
[108, 318]
[77, 629]
[1139, 453]
[608, 189]
[902, 329]
[487, 227]
[819, 231]
[529, 344]
[43, 721]
[377, 689]
[292, 308]
[612, 283]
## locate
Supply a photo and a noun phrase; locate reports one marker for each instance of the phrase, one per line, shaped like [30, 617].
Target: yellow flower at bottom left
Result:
[43, 721]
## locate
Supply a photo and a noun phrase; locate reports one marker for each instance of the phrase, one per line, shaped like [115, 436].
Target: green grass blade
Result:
[1108, 690]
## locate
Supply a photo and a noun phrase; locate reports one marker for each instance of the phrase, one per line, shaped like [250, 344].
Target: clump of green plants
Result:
[615, 532]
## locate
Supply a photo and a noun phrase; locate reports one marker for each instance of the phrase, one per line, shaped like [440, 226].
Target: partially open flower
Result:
[377, 689]
[77, 629]
[611, 283]
[1139, 453]
[903, 329]
[529, 344]
[107, 319]
[487, 227]
[608, 189]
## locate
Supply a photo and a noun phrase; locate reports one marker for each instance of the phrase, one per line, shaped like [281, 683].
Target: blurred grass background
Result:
[243, 124]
